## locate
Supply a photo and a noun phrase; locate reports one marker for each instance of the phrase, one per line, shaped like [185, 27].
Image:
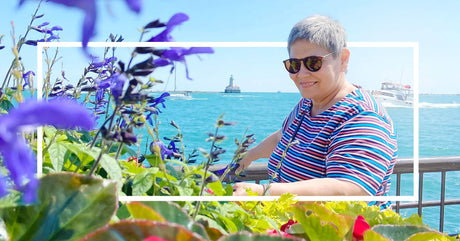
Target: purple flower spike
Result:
[17, 156]
[27, 77]
[174, 21]
[89, 22]
[118, 81]
[43, 24]
[164, 150]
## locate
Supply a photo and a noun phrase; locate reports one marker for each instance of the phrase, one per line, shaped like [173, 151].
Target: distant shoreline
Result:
[222, 92]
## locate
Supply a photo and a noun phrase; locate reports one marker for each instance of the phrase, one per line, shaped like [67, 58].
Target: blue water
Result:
[263, 113]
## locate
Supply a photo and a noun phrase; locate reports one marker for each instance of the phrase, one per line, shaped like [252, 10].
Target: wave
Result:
[238, 96]
[426, 105]
[438, 105]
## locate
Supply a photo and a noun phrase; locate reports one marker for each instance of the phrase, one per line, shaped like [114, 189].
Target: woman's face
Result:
[324, 83]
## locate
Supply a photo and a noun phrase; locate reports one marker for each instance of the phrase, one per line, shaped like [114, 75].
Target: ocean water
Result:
[263, 113]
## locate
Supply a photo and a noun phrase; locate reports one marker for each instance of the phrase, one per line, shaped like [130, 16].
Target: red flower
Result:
[132, 158]
[210, 191]
[359, 228]
[273, 232]
[287, 225]
[283, 229]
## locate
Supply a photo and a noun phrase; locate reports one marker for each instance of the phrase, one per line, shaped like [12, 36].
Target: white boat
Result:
[394, 95]
[180, 95]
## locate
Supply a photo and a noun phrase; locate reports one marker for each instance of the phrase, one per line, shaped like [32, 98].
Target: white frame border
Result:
[413, 45]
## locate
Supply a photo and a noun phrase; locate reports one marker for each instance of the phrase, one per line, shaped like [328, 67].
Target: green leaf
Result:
[138, 230]
[374, 236]
[67, 207]
[57, 155]
[10, 200]
[139, 210]
[315, 228]
[211, 224]
[399, 233]
[246, 236]
[49, 131]
[430, 236]
[342, 223]
[6, 104]
[143, 181]
[109, 163]
[175, 214]
[217, 188]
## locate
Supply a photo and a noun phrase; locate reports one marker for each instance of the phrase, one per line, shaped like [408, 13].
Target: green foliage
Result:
[67, 209]
[5, 104]
[373, 214]
[280, 210]
[246, 236]
[138, 230]
[320, 223]
[408, 233]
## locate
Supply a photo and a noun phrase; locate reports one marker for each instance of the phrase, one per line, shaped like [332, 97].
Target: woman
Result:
[337, 140]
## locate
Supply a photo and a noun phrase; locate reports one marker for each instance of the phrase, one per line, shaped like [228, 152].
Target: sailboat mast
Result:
[174, 76]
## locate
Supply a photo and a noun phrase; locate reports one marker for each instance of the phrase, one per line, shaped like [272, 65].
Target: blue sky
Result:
[435, 26]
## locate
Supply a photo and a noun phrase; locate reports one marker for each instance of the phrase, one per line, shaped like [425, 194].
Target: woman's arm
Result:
[312, 187]
[263, 150]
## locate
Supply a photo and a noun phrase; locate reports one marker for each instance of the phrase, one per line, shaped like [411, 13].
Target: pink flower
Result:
[273, 232]
[153, 238]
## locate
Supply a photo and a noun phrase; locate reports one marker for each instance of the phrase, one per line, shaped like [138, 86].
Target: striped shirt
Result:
[353, 141]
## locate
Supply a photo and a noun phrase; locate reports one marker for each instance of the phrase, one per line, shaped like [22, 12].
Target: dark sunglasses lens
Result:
[313, 63]
[292, 65]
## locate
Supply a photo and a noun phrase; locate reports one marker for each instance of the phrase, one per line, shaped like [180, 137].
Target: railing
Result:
[258, 172]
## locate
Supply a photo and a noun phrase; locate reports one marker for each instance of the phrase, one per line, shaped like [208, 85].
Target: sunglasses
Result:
[312, 63]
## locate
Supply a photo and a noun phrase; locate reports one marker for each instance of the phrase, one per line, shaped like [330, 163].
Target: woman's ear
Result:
[344, 57]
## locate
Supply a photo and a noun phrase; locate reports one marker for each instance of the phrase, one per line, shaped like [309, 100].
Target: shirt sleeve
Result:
[361, 151]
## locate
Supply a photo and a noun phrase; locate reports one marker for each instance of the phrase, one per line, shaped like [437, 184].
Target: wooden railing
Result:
[258, 172]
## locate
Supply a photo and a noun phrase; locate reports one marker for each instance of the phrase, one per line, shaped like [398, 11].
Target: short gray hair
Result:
[320, 30]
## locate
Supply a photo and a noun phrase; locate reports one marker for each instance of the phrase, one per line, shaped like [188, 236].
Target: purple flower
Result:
[117, 82]
[174, 21]
[179, 53]
[161, 62]
[17, 157]
[160, 100]
[154, 103]
[90, 10]
[97, 64]
[134, 5]
[47, 30]
[164, 151]
[27, 77]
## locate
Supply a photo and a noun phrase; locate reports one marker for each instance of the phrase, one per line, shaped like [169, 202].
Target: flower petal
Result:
[134, 5]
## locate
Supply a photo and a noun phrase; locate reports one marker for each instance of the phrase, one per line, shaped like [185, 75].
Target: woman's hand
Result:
[263, 150]
[243, 164]
[240, 188]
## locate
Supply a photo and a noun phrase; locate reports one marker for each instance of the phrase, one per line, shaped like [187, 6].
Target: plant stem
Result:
[96, 163]
[19, 46]
[203, 183]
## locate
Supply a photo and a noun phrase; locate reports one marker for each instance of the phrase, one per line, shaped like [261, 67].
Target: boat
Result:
[394, 95]
[177, 95]
[232, 88]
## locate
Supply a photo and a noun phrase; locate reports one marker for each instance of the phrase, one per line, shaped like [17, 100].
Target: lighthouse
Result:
[232, 88]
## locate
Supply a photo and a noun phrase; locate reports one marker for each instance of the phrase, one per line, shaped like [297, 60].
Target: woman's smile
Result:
[307, 84]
